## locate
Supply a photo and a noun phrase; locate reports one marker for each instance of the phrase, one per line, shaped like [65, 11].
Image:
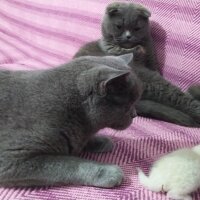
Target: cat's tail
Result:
[147, 182]
[194, 90]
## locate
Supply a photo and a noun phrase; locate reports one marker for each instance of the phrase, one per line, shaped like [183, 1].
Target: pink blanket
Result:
[43, 34]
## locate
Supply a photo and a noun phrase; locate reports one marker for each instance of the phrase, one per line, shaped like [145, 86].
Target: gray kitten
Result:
[48, 117]
[125, 28]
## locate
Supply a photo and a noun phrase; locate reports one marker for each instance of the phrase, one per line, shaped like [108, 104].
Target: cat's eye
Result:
[118, 26]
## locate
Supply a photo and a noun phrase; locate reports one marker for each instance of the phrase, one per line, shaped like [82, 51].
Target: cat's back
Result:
[9, 81]
[15, 81]
[15, 89]
[91, 48]
[6, 76]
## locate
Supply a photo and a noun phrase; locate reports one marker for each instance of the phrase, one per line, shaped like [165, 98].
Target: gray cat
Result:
[125, 28]
[194, 90]
[48, 117]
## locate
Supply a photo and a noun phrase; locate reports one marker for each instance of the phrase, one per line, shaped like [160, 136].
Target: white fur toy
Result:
[177, 173]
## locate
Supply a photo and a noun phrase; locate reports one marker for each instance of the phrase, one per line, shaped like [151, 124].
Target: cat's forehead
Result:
[128, 15]
[130, 12]
[128, 94]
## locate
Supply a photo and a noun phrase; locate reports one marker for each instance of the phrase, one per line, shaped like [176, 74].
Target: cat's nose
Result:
[128, 35]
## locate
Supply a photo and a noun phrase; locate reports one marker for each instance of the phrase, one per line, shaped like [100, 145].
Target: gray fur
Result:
[48, 117]
[159, 95]
[194, 90]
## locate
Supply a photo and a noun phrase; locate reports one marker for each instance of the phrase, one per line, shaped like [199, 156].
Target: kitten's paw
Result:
[108, 176]
[99, 144]
[139, 51]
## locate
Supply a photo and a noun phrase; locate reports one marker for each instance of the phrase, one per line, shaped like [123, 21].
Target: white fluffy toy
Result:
[177, 173]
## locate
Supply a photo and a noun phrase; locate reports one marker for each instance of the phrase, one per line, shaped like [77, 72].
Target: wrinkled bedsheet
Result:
[43, 34]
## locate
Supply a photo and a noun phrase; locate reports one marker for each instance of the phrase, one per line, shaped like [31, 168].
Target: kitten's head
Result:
[111, 90]
[126, 24]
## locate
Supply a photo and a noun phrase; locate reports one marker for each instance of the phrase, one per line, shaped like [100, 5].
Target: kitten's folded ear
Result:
[126, 57]
[143, 11]
[114, 80]
[113, 9]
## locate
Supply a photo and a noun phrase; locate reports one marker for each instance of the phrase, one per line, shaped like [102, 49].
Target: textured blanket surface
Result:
[43, 34]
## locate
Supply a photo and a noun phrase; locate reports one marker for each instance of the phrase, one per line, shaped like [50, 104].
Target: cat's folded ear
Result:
[143, 11]
[127, 58]
[116, 79]
[113, 9]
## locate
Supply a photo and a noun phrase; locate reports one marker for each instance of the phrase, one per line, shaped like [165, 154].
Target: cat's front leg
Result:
[99, 144]
[45, 170]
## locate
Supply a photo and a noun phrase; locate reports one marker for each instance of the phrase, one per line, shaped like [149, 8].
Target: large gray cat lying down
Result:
[48, 117]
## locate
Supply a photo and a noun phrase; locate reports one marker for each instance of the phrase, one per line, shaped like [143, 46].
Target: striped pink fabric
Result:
[42, 34]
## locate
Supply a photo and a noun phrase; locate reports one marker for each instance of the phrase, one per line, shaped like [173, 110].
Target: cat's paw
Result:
[108, 176]
[99, 144]
[139, 52]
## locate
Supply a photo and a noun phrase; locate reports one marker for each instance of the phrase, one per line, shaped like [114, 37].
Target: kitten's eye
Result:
[137, 28]
[119, 26]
